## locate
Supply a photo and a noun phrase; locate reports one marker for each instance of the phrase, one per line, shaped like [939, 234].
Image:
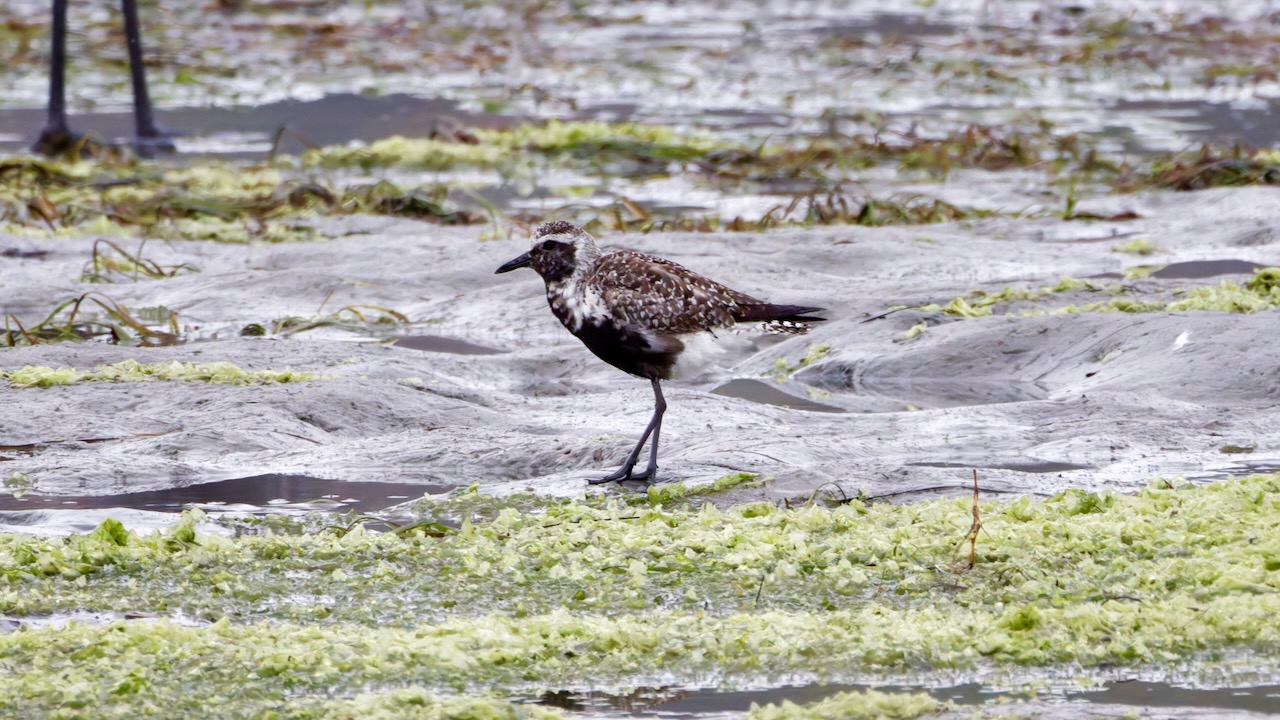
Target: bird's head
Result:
[560, 250]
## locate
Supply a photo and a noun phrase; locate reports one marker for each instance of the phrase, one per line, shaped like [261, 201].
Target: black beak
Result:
[513, 264]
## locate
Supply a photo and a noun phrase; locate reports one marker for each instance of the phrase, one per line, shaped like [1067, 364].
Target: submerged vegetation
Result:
[217, 373]
[566, 594]
[811, 180]
[76, 319]
[1261, 292]
[367, 319]
[110, 261]
[209, 201]
[782, 370]
[113, 322]
[590, 142]
[865, 705]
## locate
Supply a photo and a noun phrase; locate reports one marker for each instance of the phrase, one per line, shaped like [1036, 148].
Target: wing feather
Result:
[662, 296]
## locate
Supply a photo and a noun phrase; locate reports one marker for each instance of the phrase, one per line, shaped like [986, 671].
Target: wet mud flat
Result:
[292, 333]
[915, 388]
[905, 389]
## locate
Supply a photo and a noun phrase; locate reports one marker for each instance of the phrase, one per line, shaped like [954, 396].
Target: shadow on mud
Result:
[259, 491]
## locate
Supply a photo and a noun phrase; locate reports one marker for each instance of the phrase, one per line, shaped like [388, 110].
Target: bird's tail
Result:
[789, 319]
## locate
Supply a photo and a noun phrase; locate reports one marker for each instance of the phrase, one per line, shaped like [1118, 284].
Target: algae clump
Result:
[865, 705]
[1140, 246]
[534, 593]
[217, 373]
[914, 331]
[783, 369]
[668, 492]
[492, 147]
[1261, 292]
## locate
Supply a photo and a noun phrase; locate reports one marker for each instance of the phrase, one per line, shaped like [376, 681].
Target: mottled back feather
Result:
[660, 295]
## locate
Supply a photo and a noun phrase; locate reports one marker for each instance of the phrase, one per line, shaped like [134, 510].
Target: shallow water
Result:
[290, 127]
[250, 133]
[761, 392]
[438, 344]
[261, 493]
[1121, 696]
[1200, 269]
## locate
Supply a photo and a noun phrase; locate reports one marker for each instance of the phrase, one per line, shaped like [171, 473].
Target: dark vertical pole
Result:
[58, 69]
[141, 100]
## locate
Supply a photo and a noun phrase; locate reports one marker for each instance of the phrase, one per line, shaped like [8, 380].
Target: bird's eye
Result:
[548, 244]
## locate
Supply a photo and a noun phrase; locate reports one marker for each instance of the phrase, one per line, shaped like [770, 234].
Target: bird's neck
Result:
[571, 297]
[573, 301]
[585, 251]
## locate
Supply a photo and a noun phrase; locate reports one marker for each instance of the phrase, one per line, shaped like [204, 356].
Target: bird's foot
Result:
[155, 142]
[624, 473]
[55, 141]
[621, 474]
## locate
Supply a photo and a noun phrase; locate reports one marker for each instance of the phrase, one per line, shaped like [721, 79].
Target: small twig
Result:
[275, 143]
[843, 495]
[429, 527]
[342, 530]
[896, 493]
[974, 529]
[326, 300]
[355, 310]
[889, 312]
[578, 520]
[21, 329]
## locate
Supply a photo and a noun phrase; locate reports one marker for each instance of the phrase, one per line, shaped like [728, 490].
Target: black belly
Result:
[646, 356]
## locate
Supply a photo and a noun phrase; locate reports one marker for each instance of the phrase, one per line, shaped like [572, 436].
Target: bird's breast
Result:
[574, 305]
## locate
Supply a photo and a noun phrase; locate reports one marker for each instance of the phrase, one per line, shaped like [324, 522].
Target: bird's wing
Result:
[662, 296]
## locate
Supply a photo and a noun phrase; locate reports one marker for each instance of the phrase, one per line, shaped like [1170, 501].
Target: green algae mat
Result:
[488, 599]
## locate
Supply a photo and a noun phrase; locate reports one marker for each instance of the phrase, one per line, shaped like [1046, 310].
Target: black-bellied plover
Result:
[642, 314]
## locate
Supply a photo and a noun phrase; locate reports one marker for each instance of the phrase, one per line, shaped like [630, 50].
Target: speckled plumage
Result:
[635, 310]
[638, 312]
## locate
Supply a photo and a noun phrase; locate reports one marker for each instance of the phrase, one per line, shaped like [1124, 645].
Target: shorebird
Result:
[643, 315]
[57, 136]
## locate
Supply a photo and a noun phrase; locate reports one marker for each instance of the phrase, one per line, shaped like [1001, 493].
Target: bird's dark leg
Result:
[149, 139]
[659, 407]
[57, 137]
[654, 429]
